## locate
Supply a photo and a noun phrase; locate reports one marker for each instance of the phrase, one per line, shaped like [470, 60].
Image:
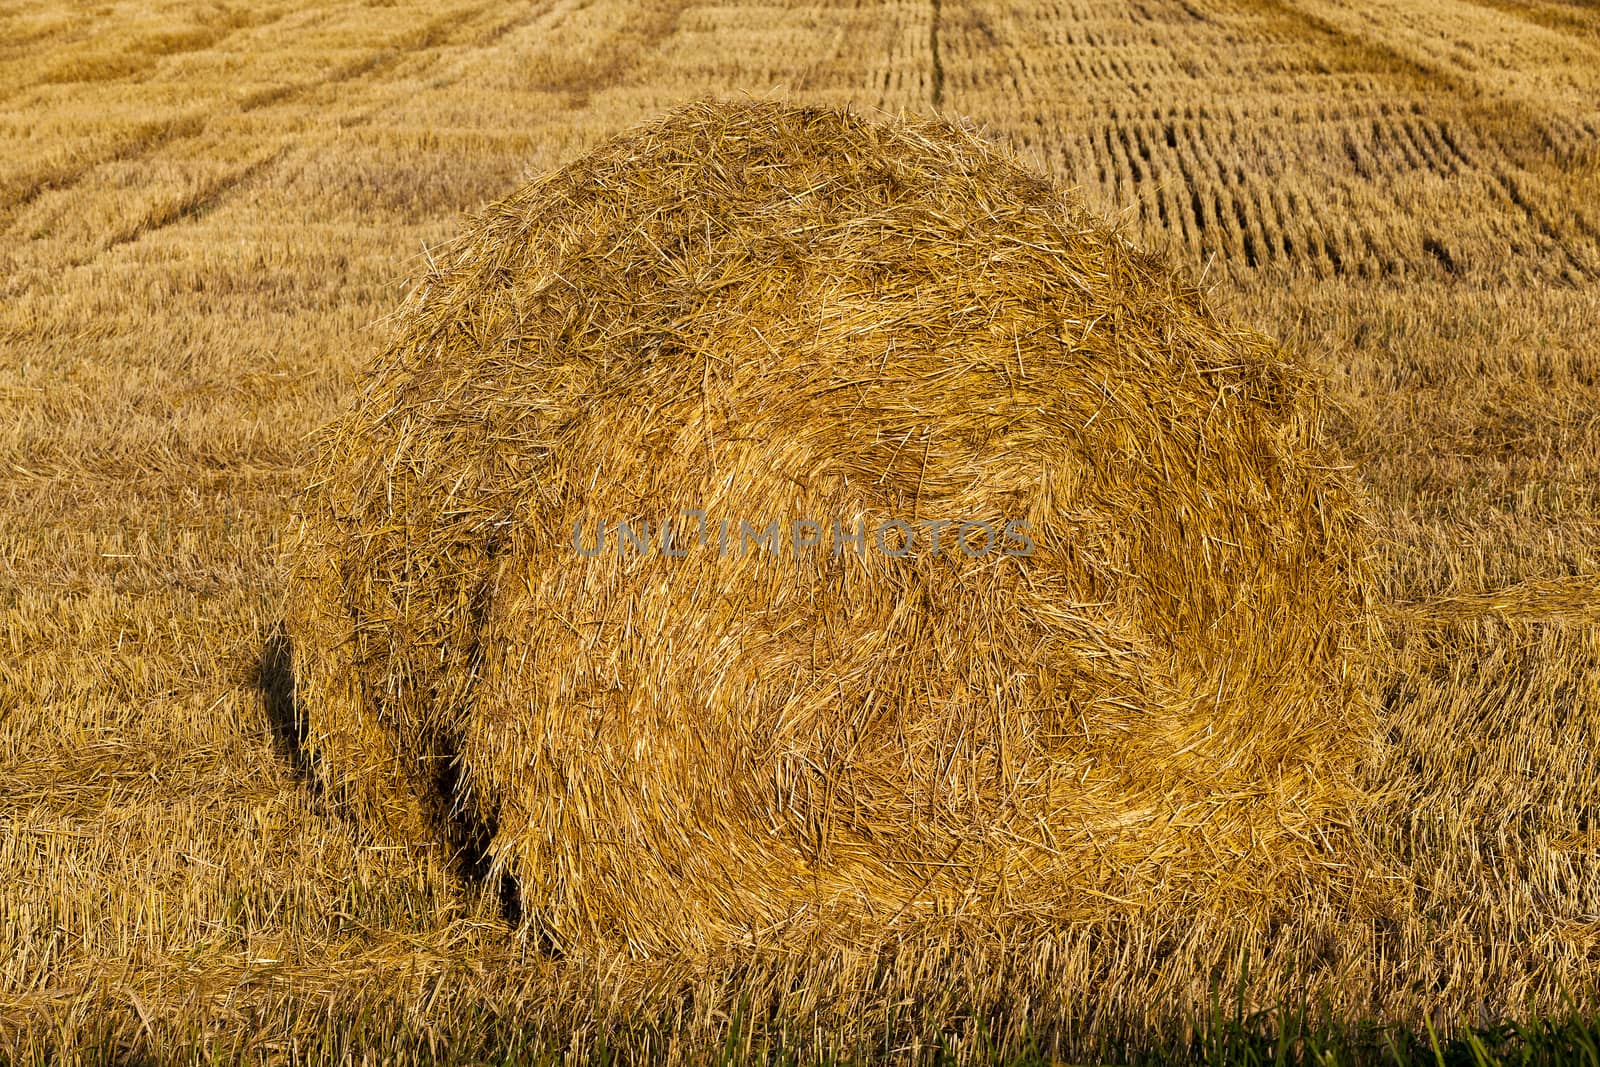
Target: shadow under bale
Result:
[274, 676]
[456, 825]
[809, 345]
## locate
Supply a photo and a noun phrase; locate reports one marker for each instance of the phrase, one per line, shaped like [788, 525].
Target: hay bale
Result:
[765, 313]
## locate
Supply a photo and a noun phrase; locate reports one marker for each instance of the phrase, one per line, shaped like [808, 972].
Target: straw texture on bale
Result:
[761, 313]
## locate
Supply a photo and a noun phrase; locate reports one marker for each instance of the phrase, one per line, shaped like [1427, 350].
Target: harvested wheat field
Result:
[1274, 322]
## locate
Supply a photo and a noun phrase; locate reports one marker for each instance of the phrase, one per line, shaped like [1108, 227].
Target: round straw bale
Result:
[787, 348]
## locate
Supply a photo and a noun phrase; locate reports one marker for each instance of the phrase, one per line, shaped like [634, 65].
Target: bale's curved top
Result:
[1145, 691]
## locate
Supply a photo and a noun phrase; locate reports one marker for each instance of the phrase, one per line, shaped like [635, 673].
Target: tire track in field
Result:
[429, 36]
[203, 39]
[190, 208]
[138, 147]
[212, 195]
[17, 193]
[1563, 19]
[648, 31]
